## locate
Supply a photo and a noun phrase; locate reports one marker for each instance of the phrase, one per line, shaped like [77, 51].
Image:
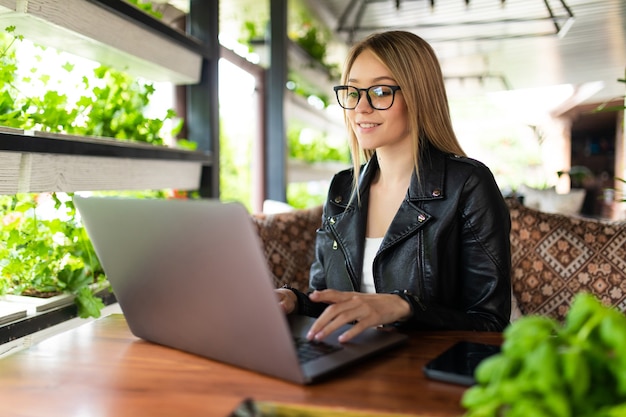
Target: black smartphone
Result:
[458, 363]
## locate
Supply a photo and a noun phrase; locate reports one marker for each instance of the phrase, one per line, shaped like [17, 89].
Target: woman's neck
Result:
[388, 190]
[395, 167]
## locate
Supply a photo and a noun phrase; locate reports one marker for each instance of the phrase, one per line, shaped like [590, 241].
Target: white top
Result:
[372, 244]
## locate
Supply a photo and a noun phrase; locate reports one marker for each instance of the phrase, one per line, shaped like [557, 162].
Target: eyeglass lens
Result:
[379, 97]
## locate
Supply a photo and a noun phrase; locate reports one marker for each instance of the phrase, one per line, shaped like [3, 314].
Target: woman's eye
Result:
[381, 91]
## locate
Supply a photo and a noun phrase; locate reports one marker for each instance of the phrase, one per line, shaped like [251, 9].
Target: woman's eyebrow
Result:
[377, 79]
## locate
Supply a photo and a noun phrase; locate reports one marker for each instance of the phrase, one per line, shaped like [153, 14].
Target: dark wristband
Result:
[412, 299]
[300, 296]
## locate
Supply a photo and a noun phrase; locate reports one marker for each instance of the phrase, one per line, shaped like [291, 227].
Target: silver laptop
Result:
[191, 275]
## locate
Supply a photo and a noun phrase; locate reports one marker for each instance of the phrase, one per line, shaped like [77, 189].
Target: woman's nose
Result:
[363, 106]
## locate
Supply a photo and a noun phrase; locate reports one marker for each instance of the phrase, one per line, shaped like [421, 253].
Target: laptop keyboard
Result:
[312, 349]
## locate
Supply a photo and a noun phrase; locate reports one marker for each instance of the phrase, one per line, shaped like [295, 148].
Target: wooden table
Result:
[101, 369]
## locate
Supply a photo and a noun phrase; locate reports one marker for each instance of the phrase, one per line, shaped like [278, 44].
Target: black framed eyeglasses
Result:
[380, 97]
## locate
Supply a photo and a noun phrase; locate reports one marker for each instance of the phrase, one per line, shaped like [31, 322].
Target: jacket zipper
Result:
[337, 245]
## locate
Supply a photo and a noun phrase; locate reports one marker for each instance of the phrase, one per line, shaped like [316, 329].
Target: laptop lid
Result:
[191, 274]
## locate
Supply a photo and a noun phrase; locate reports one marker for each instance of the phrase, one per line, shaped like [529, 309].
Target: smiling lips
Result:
[366, 125]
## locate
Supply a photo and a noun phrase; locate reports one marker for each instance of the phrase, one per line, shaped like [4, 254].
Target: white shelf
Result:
[87, 29]
[310, 72]
[34, 305]
[24, 342]
[297, 107]
[54, 162]
[33, 173]
[300, 171]
[10, 312]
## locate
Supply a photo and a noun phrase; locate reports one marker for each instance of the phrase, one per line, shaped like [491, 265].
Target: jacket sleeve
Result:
[482, 282]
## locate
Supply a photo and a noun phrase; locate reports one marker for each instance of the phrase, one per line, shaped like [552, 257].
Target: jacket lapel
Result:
[350, 224]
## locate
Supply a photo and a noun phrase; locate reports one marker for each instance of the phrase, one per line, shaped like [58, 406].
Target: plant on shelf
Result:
[312, 147]
[147, 7]
[47, 254]
[43, 256]
[113, 103]
[314, 41]
[311, 37]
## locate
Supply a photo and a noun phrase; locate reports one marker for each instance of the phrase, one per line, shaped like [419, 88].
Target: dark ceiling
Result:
[504, 44]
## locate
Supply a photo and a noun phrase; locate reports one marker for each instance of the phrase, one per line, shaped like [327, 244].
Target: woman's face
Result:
[376, 128]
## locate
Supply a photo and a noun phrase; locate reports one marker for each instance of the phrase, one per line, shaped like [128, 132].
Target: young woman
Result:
[415, 234]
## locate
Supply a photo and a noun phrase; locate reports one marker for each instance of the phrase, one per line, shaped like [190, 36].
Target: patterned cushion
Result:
[289, 244]
[556, 256]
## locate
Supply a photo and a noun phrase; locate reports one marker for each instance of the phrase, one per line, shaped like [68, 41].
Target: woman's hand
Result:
[366, 310]
[287, 300]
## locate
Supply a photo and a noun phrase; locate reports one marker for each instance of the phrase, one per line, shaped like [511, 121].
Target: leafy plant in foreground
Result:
[546, 369]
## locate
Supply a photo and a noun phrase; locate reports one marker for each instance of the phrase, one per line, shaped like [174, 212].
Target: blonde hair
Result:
[414, 65]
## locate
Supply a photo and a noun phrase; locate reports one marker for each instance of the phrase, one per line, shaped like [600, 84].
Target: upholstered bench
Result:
[289, 244]
[555, 256]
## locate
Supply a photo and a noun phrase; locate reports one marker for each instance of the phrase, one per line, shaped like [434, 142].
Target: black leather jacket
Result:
[447, 251]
